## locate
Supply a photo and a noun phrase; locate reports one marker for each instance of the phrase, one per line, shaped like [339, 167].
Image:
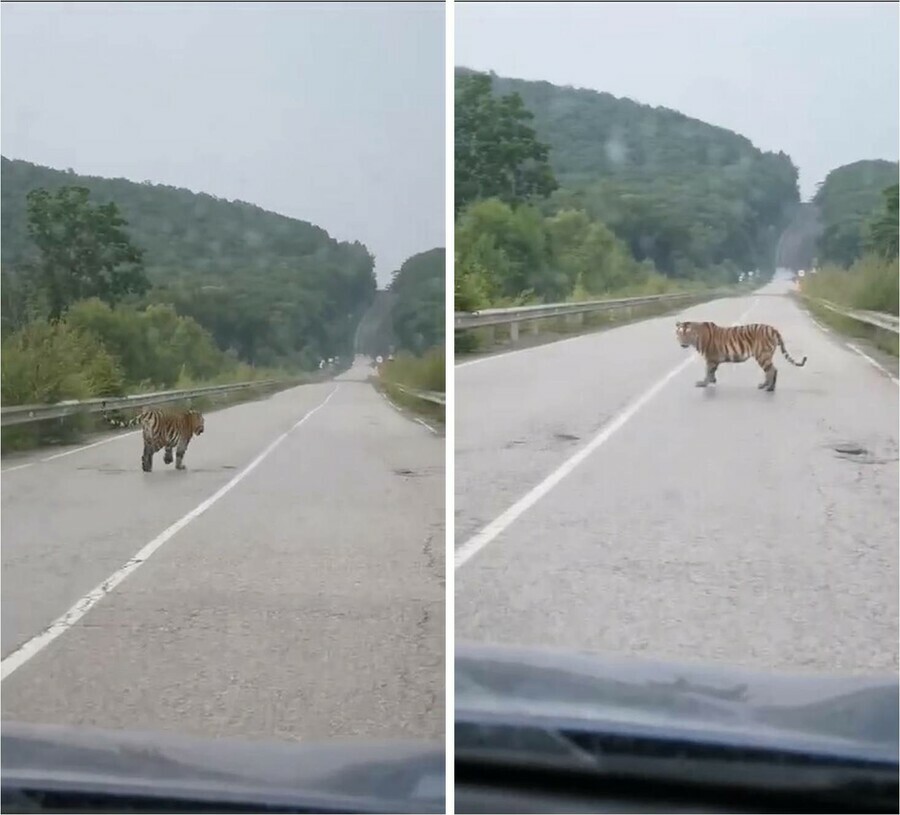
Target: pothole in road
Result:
[853, 451]
[566, 437]
[849, 449]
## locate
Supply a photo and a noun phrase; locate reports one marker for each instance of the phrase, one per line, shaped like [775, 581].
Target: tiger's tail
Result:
[784, 351]
[134, 420]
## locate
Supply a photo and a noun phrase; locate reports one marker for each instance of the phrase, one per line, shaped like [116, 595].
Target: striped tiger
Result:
[737, 343]
[165, 428]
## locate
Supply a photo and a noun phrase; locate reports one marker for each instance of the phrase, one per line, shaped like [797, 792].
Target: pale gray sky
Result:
[816, 80]
[331, 113]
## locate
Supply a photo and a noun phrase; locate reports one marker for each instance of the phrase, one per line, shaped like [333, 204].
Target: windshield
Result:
[726, 491]
[223, 516]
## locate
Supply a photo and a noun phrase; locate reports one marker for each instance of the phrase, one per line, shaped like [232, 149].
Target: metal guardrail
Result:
[23, 414]
[520, 314]
[434, 397]
[886, 321]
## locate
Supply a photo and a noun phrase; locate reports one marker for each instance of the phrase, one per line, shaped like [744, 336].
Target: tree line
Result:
[857, 249]
[271, 290]
[563, 193]
[89, 310]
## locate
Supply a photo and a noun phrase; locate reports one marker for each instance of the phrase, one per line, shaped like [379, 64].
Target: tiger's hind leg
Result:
[765, 362]
[167, 456]
[147, 458]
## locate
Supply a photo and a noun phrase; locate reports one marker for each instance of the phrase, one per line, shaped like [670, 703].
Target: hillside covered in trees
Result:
[849, 201]
[409, 314]
[269, 290]
[644, 192]
[857, 249]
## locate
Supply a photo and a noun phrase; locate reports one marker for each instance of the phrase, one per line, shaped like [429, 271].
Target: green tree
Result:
[497, 154]
[84, 250]
[418, 312]
[883, 238]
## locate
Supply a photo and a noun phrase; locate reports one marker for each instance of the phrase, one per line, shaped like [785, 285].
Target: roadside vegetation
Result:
[81, 319]
[869, 280]
[650, 202]
[407, 372]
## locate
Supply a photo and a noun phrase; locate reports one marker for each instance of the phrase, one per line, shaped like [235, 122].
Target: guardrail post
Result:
[514, 332]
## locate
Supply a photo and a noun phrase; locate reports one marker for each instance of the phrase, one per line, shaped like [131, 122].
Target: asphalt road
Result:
[305, 602]
[604, 503]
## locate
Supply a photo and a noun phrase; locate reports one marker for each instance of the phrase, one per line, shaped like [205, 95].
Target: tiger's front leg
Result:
[179, 454]
[167, 456]
[147, 457]
[711, 368]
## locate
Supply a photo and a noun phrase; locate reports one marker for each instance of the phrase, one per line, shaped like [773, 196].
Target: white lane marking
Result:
[482, 538]
[62, 624]
[874, 363]
[89, 446]
[545, 345]
[824, 328]
[17, 467]
[426, 425]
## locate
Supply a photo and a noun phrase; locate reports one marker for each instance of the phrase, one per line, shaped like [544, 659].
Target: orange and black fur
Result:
[166, 428]
[735, 344]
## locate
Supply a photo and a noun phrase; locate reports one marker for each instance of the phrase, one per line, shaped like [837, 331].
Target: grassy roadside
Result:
[493, 339]
[76, 429]
[870, 284]
[879, 338]
[425, 373]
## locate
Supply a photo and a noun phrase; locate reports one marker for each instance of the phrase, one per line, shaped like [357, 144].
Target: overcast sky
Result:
[816, 80]
[332, 113]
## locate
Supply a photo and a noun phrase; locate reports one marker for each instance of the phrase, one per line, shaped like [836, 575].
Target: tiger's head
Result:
[686, 333]
[195, 422]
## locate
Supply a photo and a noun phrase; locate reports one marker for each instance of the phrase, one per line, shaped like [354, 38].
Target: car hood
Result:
[380, 776]
[843, 716]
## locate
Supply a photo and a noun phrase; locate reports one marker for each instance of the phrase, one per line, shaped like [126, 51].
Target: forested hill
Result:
[847, 201]
[271, 288]
[685, 194]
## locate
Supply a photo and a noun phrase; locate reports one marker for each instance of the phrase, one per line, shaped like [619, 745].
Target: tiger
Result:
[735, 344]
[165, 428]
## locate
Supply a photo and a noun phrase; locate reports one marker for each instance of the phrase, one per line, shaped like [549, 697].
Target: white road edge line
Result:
[62, 624]
[89, 446]
[407, 415]
[482, 538]
[874, 363]
[17, 467]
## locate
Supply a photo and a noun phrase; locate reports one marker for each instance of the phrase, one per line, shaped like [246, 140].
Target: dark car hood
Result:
[842, 716]
[382, 776]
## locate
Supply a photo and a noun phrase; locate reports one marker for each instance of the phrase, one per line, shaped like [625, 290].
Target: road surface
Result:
[305, 602]
[605, 503]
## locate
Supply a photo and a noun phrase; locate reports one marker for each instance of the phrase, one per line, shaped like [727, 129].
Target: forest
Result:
[563, 192]
[122, 285]
[271, 290]
[857, 249]
[849, 201]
